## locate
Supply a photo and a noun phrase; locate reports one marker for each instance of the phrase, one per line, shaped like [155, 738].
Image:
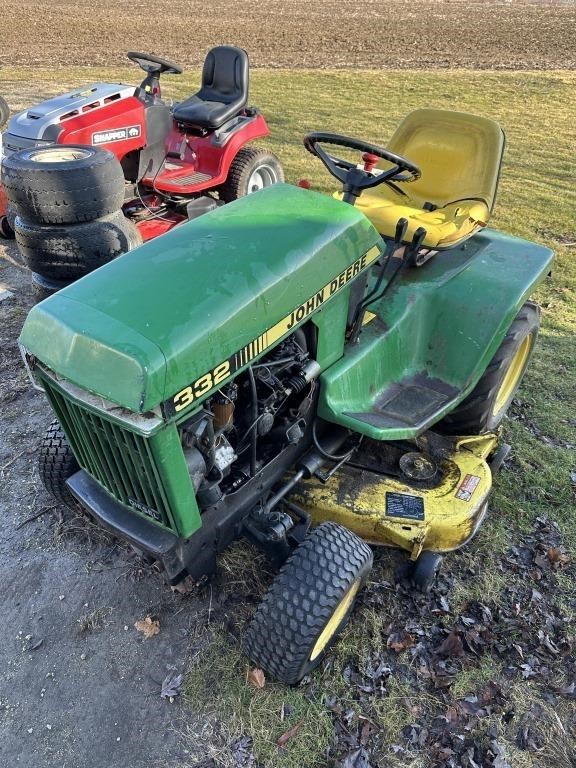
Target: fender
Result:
[432, 336]
[206, 161]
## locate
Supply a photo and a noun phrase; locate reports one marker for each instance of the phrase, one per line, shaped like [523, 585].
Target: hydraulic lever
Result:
[396, 259]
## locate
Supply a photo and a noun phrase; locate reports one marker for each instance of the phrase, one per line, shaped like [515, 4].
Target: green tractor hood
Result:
[146, 325]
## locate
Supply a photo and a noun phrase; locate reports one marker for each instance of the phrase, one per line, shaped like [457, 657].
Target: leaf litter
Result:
[524, 636]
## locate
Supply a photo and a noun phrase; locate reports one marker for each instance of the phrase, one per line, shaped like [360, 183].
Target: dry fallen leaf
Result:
[451, 646]
[171, 686]
[256, 677]
[557, 557]
[401, 640]
[287, 735]
[148, 626]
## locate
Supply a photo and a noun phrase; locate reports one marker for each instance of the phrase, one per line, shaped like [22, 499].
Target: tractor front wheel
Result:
[56, 463]
[309, 603]
[251, 170]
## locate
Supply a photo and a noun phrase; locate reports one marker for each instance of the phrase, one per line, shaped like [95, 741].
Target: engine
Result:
[249, 421]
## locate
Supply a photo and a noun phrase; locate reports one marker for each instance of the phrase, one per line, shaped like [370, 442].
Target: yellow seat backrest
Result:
[459, 155]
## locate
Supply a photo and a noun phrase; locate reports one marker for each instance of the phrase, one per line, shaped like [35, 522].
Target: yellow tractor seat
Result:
[460, 157]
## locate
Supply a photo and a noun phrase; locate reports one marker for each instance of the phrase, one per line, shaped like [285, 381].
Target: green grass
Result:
[536, 201]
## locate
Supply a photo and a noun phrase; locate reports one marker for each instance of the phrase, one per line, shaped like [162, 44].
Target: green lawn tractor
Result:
[317, 374]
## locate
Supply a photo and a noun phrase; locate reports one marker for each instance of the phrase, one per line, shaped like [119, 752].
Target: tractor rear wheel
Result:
[68, 252]
[251, 170]
[309, 603]
[485, 407]
[63, 183]
[56, 463]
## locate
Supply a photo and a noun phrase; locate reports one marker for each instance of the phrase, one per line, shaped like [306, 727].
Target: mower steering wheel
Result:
[154, 64]
[354, 177]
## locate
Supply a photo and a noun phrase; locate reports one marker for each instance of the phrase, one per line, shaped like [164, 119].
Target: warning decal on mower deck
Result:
[467, 487]
[214, 378]
[118, 134]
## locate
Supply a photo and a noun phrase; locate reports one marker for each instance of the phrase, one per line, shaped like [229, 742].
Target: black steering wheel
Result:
[154, 64]
[355, 178]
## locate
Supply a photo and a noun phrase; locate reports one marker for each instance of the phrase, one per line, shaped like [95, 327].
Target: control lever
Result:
[400, 233]
[412, 250]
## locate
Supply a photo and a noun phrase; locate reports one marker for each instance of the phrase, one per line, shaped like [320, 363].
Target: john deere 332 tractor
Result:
[313, 374]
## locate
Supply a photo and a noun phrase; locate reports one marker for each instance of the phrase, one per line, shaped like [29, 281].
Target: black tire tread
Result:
[426, 570]
[473, 415]
[302, 598]
[56, 463]
[241, 169]
[68, 252]
[69, 194]
[43, 287]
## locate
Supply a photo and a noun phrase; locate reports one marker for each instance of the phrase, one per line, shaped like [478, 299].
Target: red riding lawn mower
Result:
[93, 173]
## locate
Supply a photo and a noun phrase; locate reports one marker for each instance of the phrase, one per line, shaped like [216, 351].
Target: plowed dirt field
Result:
[519, 34]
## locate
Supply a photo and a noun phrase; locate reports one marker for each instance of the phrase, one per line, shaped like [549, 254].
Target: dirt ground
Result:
[73, 665]
[518, 34]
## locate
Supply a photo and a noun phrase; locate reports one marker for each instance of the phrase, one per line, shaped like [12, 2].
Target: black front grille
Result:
[11, 143]
[121, 460]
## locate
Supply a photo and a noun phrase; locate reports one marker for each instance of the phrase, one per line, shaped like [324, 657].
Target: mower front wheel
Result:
[56, 463]
[251, 170]
[426, 569]
[309, 603]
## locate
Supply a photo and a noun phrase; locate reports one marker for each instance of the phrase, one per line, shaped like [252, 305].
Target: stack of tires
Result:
[68, 205]
[6, 229]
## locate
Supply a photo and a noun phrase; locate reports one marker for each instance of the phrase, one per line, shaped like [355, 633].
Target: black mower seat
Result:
[224, 90]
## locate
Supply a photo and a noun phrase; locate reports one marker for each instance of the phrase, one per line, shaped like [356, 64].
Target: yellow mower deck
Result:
[391, 512]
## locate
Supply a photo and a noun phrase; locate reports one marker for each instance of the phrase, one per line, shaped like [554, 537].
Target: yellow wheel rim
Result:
[335, 620]
[513, 375]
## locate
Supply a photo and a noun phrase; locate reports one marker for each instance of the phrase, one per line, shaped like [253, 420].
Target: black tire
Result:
[4, 111]
[283, 637]
[11, 214]
[426, 569]
[56, 463]
[63, 191]
[249, 165]
[8, 222]
[42, 287]
[6, 231]
[68, 252]
[483, 409]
